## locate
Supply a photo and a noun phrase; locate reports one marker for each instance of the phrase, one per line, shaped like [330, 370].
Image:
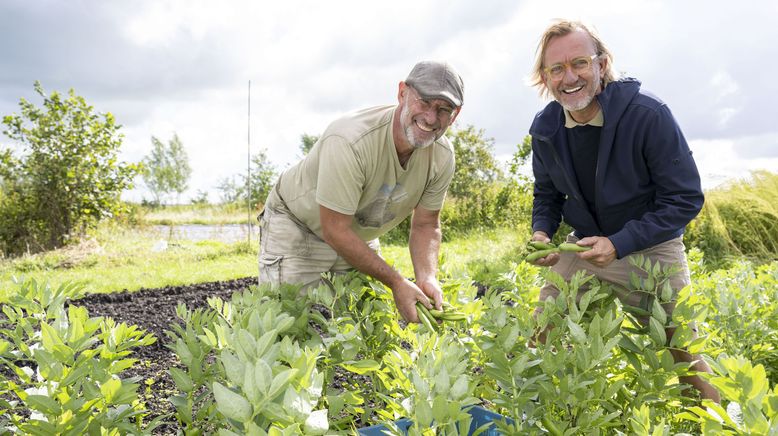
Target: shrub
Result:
[68, 179]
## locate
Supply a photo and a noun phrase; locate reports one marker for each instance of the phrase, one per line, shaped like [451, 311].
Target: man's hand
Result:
[406, 294]
[431, 288]
[602, 253]
[549, 260]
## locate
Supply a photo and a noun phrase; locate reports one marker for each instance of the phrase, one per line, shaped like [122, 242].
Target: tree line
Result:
[66, 175]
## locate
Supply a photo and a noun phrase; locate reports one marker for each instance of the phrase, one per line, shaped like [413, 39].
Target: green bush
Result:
[67, 176]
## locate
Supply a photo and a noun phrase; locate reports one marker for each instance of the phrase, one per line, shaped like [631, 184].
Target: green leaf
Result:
[43, 404]
[576, 332]
[423, 414]
[50, 338]
[442, 381]
[280, 381]
[657, 332]
[658, 312]
[231, 404]
[263, 376]
[264, 342]
[181, 379]
[626, 343]
[182, 351]
[667, 292]
[361, 366]
[460, 388]
[440, 408]
[233, 367]
[110, 388]
[245, 346]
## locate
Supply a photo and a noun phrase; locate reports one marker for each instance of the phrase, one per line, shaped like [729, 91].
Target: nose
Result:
[570, 76]
[430, 115]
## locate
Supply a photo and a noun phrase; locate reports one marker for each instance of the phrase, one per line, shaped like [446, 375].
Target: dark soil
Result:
[154, 310]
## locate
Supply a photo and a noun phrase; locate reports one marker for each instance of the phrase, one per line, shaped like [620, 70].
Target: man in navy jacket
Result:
[609, 159]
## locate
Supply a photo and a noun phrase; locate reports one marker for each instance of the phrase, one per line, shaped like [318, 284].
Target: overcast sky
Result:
[164, 67]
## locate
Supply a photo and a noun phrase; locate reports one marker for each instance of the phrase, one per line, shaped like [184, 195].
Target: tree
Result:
[166, 170]
[67, 176]
[263, 177]
[229, 190]
[200, 198]
[476, 167]
[307, 142]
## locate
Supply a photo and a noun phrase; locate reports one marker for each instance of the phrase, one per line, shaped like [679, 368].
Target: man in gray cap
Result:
[368, 171]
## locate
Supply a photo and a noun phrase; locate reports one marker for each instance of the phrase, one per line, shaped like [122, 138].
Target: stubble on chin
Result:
[417, 143]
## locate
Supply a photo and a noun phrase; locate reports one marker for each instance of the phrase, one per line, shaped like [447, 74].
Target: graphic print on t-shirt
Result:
[379, 211]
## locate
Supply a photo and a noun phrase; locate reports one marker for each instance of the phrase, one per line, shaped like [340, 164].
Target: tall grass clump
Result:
[739, 220]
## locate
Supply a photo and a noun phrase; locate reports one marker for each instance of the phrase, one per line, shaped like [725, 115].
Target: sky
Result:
[165, 67]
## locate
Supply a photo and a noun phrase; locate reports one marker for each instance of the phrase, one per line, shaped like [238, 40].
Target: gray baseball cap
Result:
[434, 79]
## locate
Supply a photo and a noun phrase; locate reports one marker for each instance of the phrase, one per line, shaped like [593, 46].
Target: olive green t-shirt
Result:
[354, 169]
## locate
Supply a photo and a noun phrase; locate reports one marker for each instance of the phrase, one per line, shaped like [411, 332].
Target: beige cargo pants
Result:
[290, 253]
[617, 273]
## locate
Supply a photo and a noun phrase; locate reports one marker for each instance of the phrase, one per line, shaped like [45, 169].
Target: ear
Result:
[603, 66]
[401, 91]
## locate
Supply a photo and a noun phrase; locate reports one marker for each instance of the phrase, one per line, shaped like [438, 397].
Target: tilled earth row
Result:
[154, 310]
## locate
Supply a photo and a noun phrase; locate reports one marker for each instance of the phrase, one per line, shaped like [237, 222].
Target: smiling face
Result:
[422, 121]
[576, 89]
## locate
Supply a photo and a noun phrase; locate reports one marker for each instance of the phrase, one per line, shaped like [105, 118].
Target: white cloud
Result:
[720, 160]
[164, 66]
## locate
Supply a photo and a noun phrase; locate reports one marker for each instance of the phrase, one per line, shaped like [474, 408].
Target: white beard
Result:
[411, 134]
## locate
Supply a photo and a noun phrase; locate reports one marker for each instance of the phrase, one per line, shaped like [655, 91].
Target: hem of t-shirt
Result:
[335, 207]
[433, 208]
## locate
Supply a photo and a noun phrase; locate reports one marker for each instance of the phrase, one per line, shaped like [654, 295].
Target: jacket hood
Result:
[613, 100]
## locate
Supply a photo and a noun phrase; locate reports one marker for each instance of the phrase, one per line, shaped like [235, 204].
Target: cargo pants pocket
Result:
[270, 269]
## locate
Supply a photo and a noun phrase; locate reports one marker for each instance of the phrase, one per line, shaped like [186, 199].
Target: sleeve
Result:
[441, 174]
[678, 196]
[547, 201]
[341, 176]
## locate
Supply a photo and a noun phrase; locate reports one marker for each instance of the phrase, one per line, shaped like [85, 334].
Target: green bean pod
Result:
[540, 254]
[426, 318]
[447, 315]
[541, 245]
[566, 246]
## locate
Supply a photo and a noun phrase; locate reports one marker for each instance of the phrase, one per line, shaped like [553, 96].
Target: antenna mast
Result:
[248, 165]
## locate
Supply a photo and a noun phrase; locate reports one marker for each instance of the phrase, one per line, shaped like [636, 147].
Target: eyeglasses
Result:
[444, 112]
[577, 65]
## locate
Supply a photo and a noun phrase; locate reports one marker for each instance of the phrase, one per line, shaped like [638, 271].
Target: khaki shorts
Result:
[617, 273]
[290, 253]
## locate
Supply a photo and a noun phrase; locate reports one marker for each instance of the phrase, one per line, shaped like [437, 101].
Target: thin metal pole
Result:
[248, 166]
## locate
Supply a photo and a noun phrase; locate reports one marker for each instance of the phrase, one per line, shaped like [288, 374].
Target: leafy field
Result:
[268, 362]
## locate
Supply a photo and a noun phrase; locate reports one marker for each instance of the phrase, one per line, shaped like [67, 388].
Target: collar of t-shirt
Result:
[597, 121]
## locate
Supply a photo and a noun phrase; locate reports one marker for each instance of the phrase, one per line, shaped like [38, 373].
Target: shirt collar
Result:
[597, 121]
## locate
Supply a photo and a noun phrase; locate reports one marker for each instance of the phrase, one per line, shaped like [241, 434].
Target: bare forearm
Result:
[424, 246]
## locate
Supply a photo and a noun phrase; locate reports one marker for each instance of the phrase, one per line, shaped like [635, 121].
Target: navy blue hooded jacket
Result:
[647, 187]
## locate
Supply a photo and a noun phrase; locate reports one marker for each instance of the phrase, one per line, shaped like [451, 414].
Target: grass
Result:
[117, 258]
[739, 220]
[483, 256]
